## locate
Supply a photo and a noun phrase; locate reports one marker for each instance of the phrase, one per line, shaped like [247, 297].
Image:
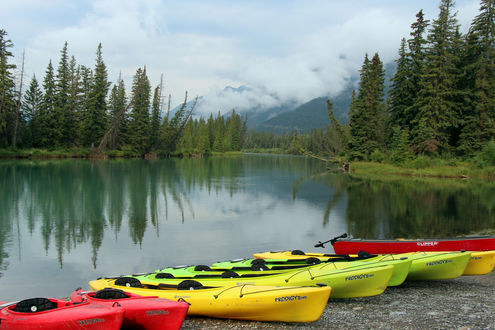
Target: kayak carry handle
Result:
[331, 241]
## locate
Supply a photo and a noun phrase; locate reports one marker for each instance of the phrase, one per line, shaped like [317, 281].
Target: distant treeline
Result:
[441, 101]
[74, 107]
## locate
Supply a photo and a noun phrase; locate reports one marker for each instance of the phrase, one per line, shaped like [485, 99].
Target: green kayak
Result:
[362, 281]
[276, 266]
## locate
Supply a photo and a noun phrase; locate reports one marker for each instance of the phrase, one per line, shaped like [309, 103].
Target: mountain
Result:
[309, 115]
[313, 114]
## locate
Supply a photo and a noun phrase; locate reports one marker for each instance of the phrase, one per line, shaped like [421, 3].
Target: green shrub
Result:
[377, 156]
[488, 153]
[419, 162]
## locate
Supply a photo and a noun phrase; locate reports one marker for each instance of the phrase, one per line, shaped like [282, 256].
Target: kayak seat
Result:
[229, 274]
[34, 305]
[363, 254]
[313, 261]
[189, 285]
[258, 262]
[128, 282]
[110, 293]
[259, 267]
[297, 253]
[200, 268]
[164, 275]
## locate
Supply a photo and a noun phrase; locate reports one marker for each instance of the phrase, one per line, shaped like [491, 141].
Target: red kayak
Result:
[343, 245]
[140, 312]
[49, 313]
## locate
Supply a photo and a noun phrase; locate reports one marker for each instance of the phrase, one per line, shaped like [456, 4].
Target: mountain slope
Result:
[309, 115]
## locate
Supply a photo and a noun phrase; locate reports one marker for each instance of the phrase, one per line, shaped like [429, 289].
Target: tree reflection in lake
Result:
[97, 209]
[412, 208]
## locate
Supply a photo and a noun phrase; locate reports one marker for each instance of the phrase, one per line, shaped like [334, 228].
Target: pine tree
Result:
[438, 112]
[30, 109]
[479, 81]
[337, 144]
[139, 126]
[401, 95]
[7, 86]
[203, 139]
[172, 130]
[417, 57]
[368, 118]
[95, 121]
[118, 115]
[48, 121]
[61, 106]
[74, 104]
[155, 118]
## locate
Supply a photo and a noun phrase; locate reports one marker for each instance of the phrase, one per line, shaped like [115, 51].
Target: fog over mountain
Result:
[283, 52]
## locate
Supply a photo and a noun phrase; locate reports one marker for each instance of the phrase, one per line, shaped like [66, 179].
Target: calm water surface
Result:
[65, 222]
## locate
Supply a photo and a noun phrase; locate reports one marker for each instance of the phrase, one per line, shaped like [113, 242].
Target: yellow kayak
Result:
[481, 263]
[242, 302]
[437, 265]
[424, 266]
[354, 282]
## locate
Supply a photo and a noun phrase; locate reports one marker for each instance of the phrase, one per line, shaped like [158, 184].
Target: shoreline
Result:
[466, 302]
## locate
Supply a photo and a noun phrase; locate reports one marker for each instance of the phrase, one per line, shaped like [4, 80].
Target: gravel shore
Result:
[467, 302]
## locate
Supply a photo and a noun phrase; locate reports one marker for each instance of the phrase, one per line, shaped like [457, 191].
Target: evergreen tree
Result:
[95, 121]
[203, 139]
[340, 141]
[47, 117]
[7, 86]
[74, 104]
[139, 126]
[61, 106]
[296, 146]
[479, 81]
[436, 101]
[82, 116]
[155, 118]
[172, 130]
[401, 95]
[118, 115]
[417, 61]
[30, 109]
[368, 116]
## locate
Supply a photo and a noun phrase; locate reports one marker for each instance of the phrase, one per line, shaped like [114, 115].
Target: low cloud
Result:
[285, 52]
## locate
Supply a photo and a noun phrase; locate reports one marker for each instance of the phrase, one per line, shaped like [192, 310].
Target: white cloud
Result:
[284, 51]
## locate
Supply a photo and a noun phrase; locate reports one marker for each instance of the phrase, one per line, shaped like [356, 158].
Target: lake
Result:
[65, 222]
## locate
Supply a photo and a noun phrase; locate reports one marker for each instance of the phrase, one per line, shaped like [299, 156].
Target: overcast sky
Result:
[283, 50]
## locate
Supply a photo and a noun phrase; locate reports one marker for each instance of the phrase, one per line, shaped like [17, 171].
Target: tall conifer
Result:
[436, 101]
[139, 126]
[479, 110]
[7, 85]
[48, 120]
[30, 109]
[95, 121]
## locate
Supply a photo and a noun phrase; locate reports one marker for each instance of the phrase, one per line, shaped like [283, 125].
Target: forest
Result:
[74, 107]
[441, 103]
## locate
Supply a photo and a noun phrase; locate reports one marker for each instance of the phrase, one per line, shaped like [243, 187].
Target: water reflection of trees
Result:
[412, 208]
[74, 202]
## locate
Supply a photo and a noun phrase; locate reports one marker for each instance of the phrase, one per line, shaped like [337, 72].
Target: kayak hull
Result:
[481, 263]
[362, 281]
[424, 265]
[437, 265]
[399, 275]
[151, 313]
[243, 302]
[352, 246]
[65, 315]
